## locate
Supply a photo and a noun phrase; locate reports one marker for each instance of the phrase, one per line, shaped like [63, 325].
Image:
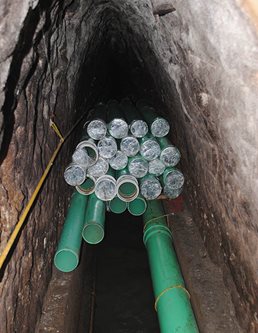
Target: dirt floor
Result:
[111, 291]
[124, 298]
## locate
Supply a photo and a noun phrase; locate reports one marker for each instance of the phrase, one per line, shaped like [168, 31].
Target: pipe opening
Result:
[87, 187]
[66, 260]
[127, 187]
[117, 206]
[93, 233]
[137, 207]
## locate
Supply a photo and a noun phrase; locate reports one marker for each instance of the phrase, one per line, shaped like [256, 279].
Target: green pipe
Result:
[99, 112]
[169, 155]
[129, 110]
[138, 166]
[173, 178]
[127, 185]
[87, 187]
[93, 229]
[150, 148]
[138, 127]
[171, 298]
[117, 206]
[149, 114]
[114, 110]
[150, 187]
[138, 206]
[117, 126]
[158, 125]
[67, 255]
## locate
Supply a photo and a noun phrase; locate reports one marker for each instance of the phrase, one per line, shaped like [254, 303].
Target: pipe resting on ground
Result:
[68, 251]
[172, 301]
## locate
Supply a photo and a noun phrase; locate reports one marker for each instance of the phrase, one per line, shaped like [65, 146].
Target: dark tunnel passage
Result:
[124, 300]
[58, 60]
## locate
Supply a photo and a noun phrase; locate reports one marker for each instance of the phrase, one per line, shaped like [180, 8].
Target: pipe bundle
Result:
[123, 160]
[125, 152]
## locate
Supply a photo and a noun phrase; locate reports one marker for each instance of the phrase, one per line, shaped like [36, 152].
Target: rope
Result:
[156, 218]
[27, 209]
[166, 290]
[57, 131]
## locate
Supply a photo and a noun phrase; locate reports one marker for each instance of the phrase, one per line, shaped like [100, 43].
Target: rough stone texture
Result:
[211, 301]
[198, 63]
[67, 304]
[45, 60]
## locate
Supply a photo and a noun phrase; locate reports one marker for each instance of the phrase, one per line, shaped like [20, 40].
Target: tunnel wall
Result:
[203, 61]
[42, 52]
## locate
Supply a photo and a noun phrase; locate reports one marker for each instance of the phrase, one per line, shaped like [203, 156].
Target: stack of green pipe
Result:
[172, 301]
[137, 166]
[68, 251]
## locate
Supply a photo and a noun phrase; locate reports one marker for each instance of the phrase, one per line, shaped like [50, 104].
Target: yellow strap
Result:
[56, 129]
[24, 214]
[166, 290]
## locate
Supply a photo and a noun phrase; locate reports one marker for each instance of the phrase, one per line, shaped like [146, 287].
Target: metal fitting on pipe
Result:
[172, 193]
[98, 169]
[81, 157]
[159, 126]
[130, 146]
[169, 155]
[94, 223]
[117, 126]
[173, 178]
[138, 166]
[68, 252]
[117, 205]
[119, 161]
[74, 174]
[90, 147]
[156, 167]
[87, 187]
[138, 127]
[150, 187]
[107, 147]
[138, 206]
[105, 188]
[97, 127]
[127, 186]
[172, 301]
[150, 148]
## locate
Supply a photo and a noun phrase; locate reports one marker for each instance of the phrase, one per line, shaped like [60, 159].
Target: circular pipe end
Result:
[117, 206]
[93, 233]
[127, 188]
[137, 207]
[87, 187]
[66, 260]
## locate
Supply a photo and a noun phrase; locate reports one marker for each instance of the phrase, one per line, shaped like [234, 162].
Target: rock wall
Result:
[42, 52]
[196, 61]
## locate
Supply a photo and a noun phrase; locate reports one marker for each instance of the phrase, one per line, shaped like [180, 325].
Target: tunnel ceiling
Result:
[195, 61]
